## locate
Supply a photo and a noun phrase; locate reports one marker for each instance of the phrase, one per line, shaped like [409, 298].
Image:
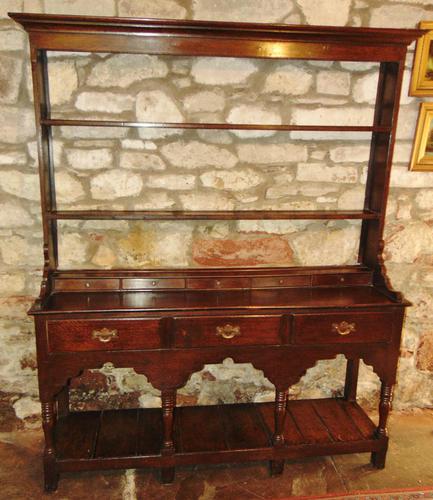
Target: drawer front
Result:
[342, 279]
[337, 328]
[217, 283]
[102, 335]
[152, 283]
[75, 285]
[281, 281]
[213, 332]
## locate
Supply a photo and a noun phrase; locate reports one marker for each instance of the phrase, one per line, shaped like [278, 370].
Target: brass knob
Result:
[104, 335]
[344, 328]
[228, 331]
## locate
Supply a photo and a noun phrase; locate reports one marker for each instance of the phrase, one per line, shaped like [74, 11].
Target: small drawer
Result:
[337, 328]
[342, 279]
[103, 335]
[152, 283]
[218, 283]
[236, 330]
[281, 281]
[77, 285]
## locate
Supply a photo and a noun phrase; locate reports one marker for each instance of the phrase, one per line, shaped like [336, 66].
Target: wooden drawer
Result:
[217, 283]
[75, 285]
[152, 283]
[102, 335]
[236, 330]
[337, 328]
[342, 279]
[281, 281]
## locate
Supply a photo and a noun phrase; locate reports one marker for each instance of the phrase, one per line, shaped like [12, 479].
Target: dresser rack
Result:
[167, 324]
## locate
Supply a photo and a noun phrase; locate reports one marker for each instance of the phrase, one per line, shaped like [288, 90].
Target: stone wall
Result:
[208, 169]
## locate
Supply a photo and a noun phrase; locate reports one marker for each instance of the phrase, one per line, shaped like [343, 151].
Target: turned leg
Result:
[351, 383]
[378, 457]
[168, 398]
[277, 466]
[51, 474]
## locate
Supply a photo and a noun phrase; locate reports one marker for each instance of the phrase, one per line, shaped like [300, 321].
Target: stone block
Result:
[194, 154]
[222, 71]
[12, 283]
[365, 89]
[319, 172]
[272, 154]
[171, 181]
[13, 215]
[253, 114]
[122, 70]
[350, 154]
[16, 124]
[352, 199]
[72, 250]
[206, 201]
[104, 102]
[396, 16]
[18, 251]
[141, 160]
[63, 81]
[93, 132]
[68, 188]
[325, 246]
[162, 9]
[115, 184]
[333, 82]
[271, 250]
[10, 6]
[327, 115]
[13, 158]
[403, 178]
[10, 78]
[325, 13]
[89, 159]
[24, 186]
[12, 40]
[232, 180]
[288, 79]
[424, 199]
[81, 7]
[205, 101]
[407, 243]
[157, 106]
[242, 10]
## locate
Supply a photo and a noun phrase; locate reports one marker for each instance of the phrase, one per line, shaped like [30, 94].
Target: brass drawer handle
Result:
[344, 328]
[104, 335]
[228, 331]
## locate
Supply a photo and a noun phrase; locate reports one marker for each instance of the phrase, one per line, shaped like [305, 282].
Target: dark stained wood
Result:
[363, 423]
[149, 432]
[199, 429]
[90, 335]
[342, 327]
[213, 126]
[243, 427]
[117, 434]
[339, 426]
[169, 323]
[76, 435]
[211, 215]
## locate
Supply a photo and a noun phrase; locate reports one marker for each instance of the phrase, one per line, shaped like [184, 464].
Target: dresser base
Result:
[118, 439]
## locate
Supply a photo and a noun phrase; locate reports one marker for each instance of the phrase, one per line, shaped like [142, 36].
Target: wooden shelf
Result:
[235, 432]
[212, 215]
[213, 126]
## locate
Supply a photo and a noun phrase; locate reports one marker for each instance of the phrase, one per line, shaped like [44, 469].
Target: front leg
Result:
[51, 474]
[378, 457]
[277, 466]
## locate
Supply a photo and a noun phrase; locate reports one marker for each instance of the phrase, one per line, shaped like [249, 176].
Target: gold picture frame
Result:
[422, 74]
[422, 154]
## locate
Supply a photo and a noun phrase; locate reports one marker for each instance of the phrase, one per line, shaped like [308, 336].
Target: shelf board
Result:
[212, 126]
[212, 215]
[311, 427]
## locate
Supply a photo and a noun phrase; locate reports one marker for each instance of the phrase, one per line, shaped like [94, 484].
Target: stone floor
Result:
[410, 464]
